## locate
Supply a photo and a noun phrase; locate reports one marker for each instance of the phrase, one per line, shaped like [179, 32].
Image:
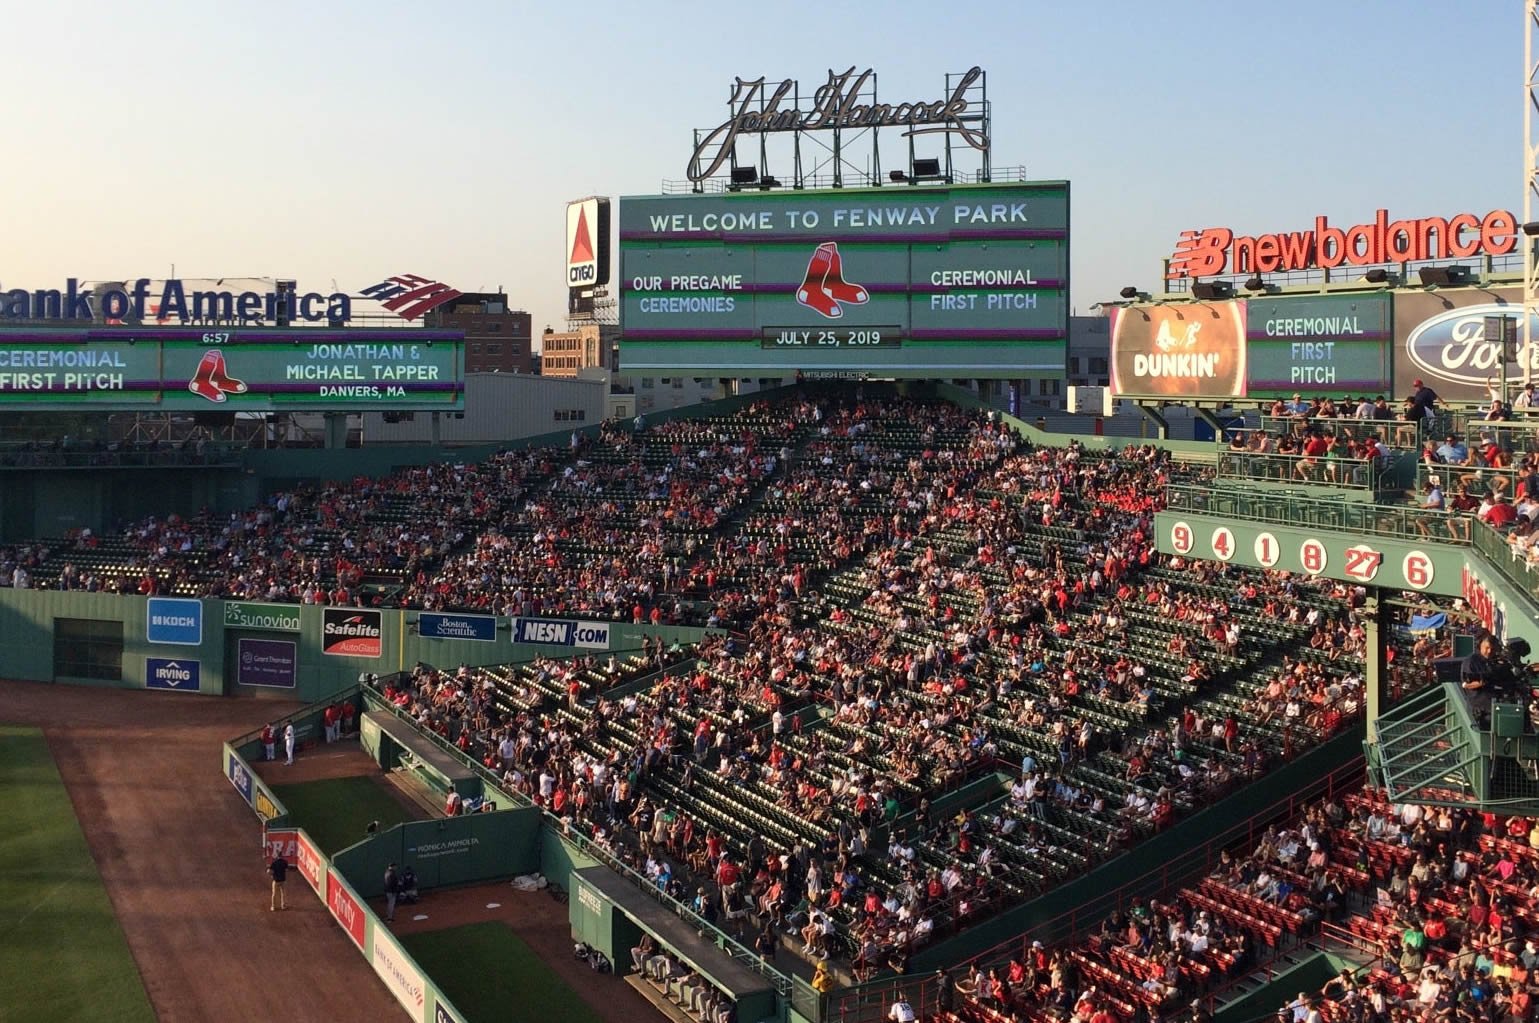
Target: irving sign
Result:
[836, 104]
[1215, 251]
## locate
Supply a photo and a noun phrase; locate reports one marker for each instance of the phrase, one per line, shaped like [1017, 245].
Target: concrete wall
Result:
[499, 407]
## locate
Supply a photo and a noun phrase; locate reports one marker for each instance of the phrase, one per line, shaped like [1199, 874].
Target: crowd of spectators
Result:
[917, 600]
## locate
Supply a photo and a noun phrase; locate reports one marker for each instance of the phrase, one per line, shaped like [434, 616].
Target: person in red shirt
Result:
[1501, 514]
[269, 743]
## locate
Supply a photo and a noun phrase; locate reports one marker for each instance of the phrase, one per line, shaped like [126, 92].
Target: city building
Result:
[497, 338]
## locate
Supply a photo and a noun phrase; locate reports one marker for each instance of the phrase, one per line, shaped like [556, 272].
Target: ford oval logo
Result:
[1452, 345]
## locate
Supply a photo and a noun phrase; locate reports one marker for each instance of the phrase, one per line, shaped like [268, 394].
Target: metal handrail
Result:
[1350, 473]
[1523, 574]
[1285, 508]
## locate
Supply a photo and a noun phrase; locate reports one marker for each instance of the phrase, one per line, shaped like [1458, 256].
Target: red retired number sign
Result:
[1362, 563]
[1181, 538]
[1334, 555]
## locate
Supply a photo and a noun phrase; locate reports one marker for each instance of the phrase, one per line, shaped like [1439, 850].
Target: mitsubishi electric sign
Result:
[560, 632]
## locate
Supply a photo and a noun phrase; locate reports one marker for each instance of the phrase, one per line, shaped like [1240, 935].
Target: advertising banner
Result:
[181, 675]
[1326, 345]
[239, 776]
[400, 975]
[1440, 339]
[560, 632]
[1192, 350]
[345, 908]
[280, 842]
[441, 1014]
[240, 614]
[352, 632]
[482, 628]
[902, 281]
[230, 369]
[272, 663]
[309, 862]
[174, 621]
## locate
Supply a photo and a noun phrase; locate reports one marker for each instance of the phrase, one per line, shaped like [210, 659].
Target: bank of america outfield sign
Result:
[173, 301]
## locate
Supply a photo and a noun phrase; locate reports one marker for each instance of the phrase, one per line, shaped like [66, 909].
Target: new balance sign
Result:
[351, 632]
[173, 621]
[557, 632]
[482, 628]
[164, 673]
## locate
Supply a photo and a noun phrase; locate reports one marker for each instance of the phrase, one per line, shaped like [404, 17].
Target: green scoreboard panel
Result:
[901, 281]
[231, 370]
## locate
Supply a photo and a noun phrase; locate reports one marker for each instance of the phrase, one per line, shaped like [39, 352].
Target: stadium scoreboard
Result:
[900, 281]
[229, 369]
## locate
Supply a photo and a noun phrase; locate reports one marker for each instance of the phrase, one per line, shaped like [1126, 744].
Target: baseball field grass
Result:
[336, 812]
[493, 976]
[64, 955]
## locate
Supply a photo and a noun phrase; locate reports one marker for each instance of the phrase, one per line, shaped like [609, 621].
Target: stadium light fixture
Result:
[1378, 275]
[1255, 283]
[897, 176]
[1531, 228]
[1207, 291]
[927, 168]
[1129, 292]
[745, 175]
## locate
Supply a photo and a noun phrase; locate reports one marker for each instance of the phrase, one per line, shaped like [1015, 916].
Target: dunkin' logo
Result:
[1193, 349]
[350, 632]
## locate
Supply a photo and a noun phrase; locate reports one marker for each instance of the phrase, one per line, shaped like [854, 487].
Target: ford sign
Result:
[1452, 346]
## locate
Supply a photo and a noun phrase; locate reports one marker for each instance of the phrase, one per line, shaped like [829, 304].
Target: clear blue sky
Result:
[351, 141]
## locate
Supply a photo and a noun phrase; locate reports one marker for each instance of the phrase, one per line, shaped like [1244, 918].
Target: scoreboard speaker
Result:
[1207, 291]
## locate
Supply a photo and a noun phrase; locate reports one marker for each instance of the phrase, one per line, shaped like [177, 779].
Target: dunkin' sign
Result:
[1192, 349]
[352, 632]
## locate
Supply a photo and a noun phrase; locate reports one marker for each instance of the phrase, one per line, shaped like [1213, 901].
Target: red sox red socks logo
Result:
[211, 381]
[824, 289]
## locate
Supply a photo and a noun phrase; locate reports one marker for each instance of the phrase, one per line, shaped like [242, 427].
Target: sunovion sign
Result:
[559, 632]
[172, 303]
[836, 104]
[1215, 251]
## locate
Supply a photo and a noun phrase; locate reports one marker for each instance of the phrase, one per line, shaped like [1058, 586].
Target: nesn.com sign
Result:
[174, 621]
[556, 632]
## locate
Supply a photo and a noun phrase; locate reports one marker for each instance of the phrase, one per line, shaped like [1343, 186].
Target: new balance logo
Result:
[1201, 253]
[410, 296]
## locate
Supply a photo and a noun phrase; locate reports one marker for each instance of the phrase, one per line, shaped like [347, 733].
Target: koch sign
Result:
[558, 632]
[177, 675]
[482, 628]
[173, 621]
[266, 662]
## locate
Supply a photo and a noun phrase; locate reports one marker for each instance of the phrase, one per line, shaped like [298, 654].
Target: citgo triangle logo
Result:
[582, 245]
[824, 290]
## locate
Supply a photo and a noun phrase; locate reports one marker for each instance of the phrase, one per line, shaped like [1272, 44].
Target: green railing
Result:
[1514, 568]
[1283, 508]
[1350, 426]
[1480, 478]
[1351, 473]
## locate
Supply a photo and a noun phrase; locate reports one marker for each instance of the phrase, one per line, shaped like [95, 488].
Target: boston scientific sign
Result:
[172, 303]
[757, 109]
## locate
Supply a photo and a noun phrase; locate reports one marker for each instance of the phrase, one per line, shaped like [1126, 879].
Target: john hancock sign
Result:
[757, 110]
